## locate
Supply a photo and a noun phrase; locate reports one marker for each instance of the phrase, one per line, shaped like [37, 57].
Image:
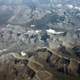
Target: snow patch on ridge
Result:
[53, 31]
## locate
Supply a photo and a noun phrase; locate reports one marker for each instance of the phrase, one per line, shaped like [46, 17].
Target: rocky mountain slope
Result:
[39, 40]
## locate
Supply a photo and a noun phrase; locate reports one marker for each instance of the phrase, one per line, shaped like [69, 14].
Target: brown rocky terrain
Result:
[42, 64]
